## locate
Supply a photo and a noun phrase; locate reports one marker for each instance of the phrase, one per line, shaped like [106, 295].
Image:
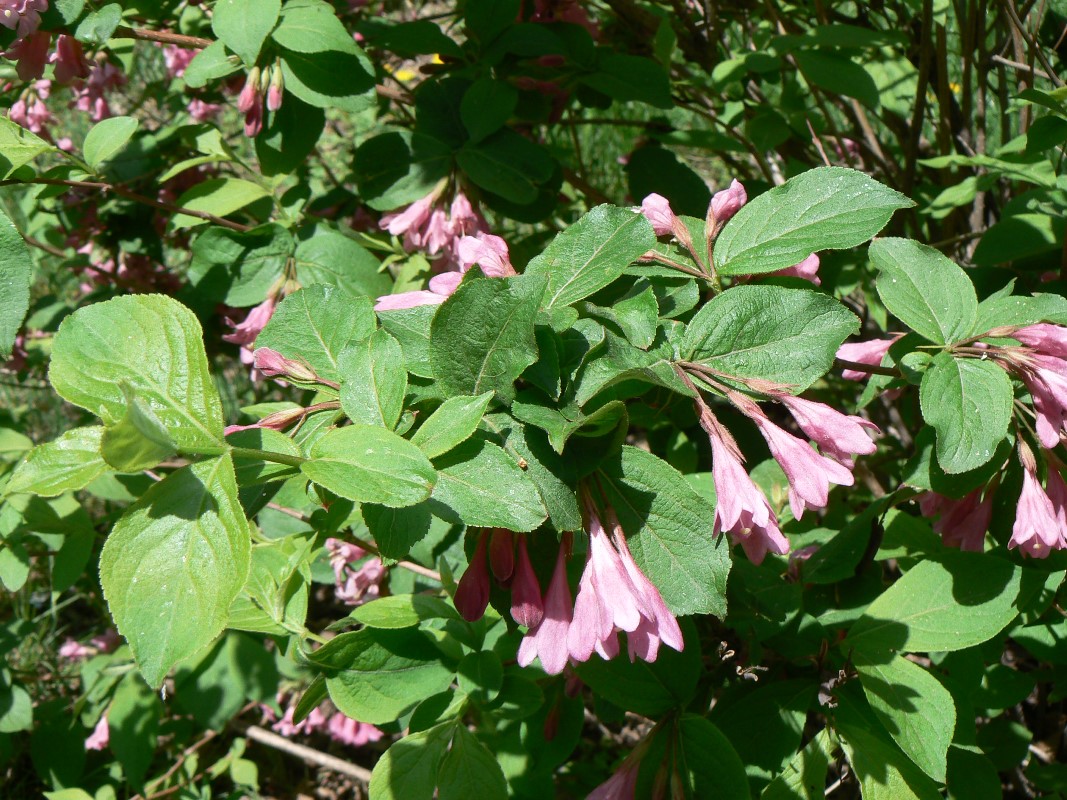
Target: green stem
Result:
[267, 455]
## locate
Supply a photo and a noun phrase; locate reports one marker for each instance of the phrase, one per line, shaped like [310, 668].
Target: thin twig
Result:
[310, 755]
[1013, 16]
[1019, 65]
[166, 37]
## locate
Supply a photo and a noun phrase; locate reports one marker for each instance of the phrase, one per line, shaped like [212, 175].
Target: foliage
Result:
[554, 323]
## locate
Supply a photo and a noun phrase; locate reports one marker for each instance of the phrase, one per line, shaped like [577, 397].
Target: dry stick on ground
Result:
[310, 755]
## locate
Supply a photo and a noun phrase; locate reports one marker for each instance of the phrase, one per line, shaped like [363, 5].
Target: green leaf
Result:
[408, 769]
[563, 423]
[217, 196]
[402, 611]
[152, 345]
[329, 257]
[482, 337]
[243, 25]
[483, 486]
[139, 440]
[238, 669]
[925, 290]
[376, 675]
[313, 27]
[16, 275]
[369, 464]
[592, 253]
[712, 766]
[396, 168]
[209, 64]
[174, 563]
[828, 208]
[397, 530]
[99, 25]
[71, 462]
[106, 139]
[18, 146]
[805, 777]
[1020, 236]
[838, 75]
[239, 268]
[914, 707]
[451, 423]
[959, 601]
[667, 525]
[769, 332]
[629, 78]
[289, 137]
[133, 720]
[508, 164]
[330, 79]
[373, 380]
[616, 360]
[480, 675]
[486, 106]
[315, 324]
[16, 707]
[274, 598]
[470, 769]
[969, 404]
[636, 316]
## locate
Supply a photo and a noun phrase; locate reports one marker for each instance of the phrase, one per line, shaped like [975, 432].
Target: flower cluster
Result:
[508, 557]
[263, 89]
[357, 573]
[324, 719]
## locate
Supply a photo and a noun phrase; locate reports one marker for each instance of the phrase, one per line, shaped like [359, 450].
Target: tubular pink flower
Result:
[100, 736]
[69, 59]
[527, 606]
[810, 474]
[1045, 338]
[657, 210]
[726, 203]
[353, 585]
[489, 252]
[839, 436]
[1037, 530]
[622, 785]
[963, 523]
[31, 53]
[548, 640]
[808, 269]
[72, 650]
[395, 302]
[472, 594]
[246, 332]
[352, 732]
[502, 554]
[741, 510]
[870, 352]
[104, 77]
[278, 421]
[414, 216]
[177, 59]
[1046, 379]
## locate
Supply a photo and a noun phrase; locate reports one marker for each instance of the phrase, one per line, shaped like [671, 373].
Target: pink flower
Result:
[104, 77]
[839, 436]
[472, 593]
[741, 510]
[22, 16]
[1038, 529]
[106, 642]
[413, 217]
[622, 785]
[489, 252]
[30, 111]
[72, 650]
[871, 352]
[422, 297]
[1046, 379]
[202, 111]
[274, 365]
[315, 720]
[246, 332]
[657, 210]
[548, 640]
[1045, 338]
[352, 732]
[354, 585]
[964, 522]
[278, 421]
[807, 269]
[726, 203]
[100, 736]
[178, 58]
[527, 606]
[31, 53]
[810, 474]
[69, 59]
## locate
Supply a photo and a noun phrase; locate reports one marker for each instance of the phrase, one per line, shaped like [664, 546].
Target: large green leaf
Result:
[408, 769]
[218, 196]
[769, 332]
[914, 707]
[805, 776]
[482, 337]
[373, 380]
[968, 402]
[398, 167]
[315, 324]
[71, 462]
[174, 563]
[106, 139]
[828, 208]
[330, 79]
[592, 253]
[712, 766]
[452, 422]
[150, 345]
[924, 289]
[375, 675]
[507, 164]
[18, 146]
[239, 268]
[484, 486]
[16, 274]
[470, 769]
[961, 600]
[369, 464]
[329, 257]
[668, 528]
[243, 25]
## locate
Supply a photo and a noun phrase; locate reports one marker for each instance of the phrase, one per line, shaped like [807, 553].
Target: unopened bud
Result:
[527, 604]
[247, 99]
[277, 85]
[724, 205]
[274, 365]
[502, 554]
[472, 594]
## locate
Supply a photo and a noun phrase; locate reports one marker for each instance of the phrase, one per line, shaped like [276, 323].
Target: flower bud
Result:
[472, 594]
[274, 92]
[247, 99]
[502, 554]
[274, 365]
